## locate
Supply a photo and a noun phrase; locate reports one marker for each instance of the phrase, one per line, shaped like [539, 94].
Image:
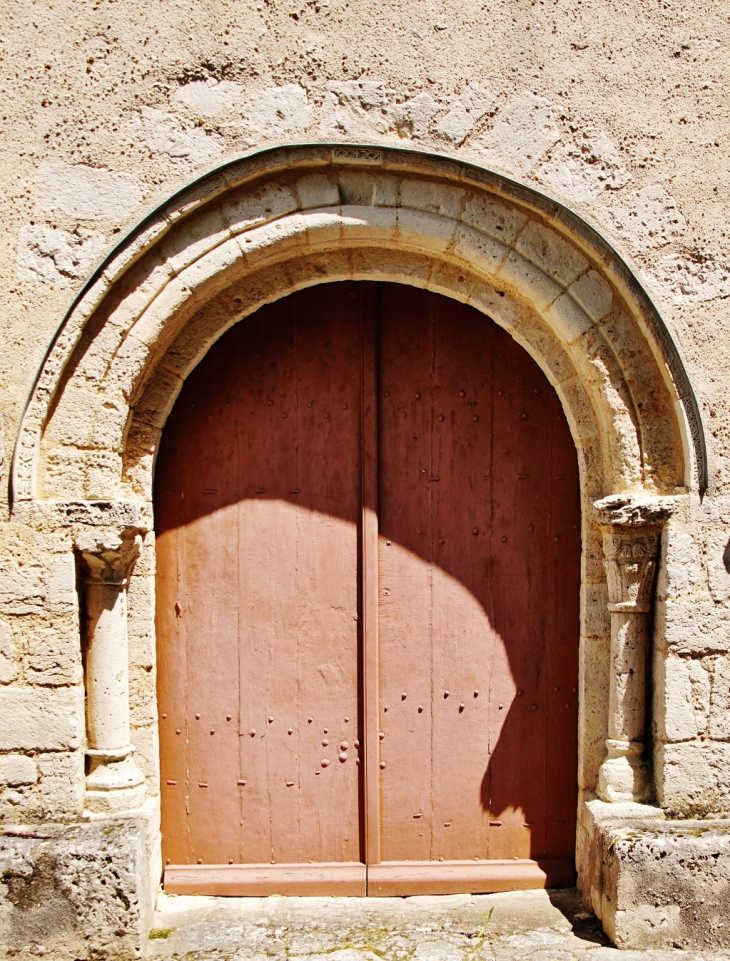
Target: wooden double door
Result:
[368, 548]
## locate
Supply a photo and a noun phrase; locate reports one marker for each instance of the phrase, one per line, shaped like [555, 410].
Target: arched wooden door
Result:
[368, 551]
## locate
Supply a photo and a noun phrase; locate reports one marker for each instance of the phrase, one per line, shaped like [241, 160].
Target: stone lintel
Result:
[73, 515]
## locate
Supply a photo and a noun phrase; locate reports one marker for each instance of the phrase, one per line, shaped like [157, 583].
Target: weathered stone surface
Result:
[693, 778]
[87, 193]
[16, 769]
[667, 883]
[521, 134]
[473, 103]
[539, 925]
[181, 141]
[8, 654]
[650, 219]
[48, 255]
[585, 168]
[279, 110]
[35, 720]
[208, 97]
[74, 894]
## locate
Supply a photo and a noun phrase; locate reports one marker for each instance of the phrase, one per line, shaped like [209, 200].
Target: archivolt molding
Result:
[280, 220]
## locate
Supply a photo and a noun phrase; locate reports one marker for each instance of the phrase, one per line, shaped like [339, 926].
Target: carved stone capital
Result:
[109, 556]
[631, 527]
[630, 556]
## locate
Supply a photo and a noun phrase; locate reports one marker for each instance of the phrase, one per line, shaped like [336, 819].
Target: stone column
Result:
[631, 530]
[113, 781]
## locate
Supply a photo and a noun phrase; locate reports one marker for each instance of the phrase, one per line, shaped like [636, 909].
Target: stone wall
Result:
[617, 110]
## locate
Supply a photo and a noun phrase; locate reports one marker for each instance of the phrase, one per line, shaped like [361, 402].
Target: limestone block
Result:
[53, 653]
[540, 341]
[203, 231]
[16, 769]
[412, 117]
[568, 319]
[246, 208]
[479, 251]
[679, 570]
[147, 754]
[49, 255]
[674, 714]
[693, 778]
[77, 892]
[39, 720]
[650, 218]
[131, 358]
[533, 284]
[665, 883]
[503, 308]
[141, 619]
[473, 103]
[455, 281]
[595, 618]
[595, 664]
[138, 289]
[547, 250]
[8, 654]
[72, 423]
[180, 140]
[317, 190]
[62, 783]
[86, 193]
[357, 109]
[593, 294]
[171, 300]
[366, 189]
[272, 240]
[425, 231]
[700, 674]
[523, 131]
[371, 263]
[583, 170]
[279, 110]
[436, 198]
[142, 695]
[61, 583]
[718, 564]
[695, 627]
[719, 701]
[688, 282]
[578, 409]
[492, 217]
[370, 224]
[211, 267]
[206, 98]
[22, 587]
[323, 229]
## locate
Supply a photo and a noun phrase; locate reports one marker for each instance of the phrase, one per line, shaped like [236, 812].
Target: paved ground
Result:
[539, 925]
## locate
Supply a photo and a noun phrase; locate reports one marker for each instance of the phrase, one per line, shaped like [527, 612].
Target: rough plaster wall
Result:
[619, 109]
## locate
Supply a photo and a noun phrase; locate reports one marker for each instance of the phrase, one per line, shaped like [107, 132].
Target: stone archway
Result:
[278, 221]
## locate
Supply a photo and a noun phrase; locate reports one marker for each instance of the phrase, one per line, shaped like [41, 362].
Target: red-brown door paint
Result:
[367, 520]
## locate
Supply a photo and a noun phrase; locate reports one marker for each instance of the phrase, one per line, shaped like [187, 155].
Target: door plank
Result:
[258, 546]
[369, 572]
[479, 585]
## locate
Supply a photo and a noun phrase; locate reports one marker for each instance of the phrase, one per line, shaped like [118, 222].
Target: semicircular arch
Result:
[277, 221]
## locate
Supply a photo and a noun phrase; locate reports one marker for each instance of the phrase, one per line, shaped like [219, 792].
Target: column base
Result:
[624, 775]
[114, 782]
